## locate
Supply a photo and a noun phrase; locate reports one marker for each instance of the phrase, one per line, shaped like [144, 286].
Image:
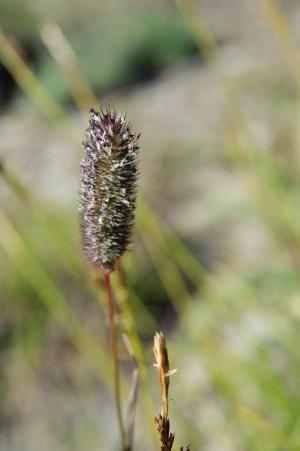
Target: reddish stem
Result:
[114, 349]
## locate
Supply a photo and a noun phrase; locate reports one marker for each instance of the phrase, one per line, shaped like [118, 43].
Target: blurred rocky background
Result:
[213, 87]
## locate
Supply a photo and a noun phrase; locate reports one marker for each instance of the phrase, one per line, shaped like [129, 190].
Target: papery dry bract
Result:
[108, 187]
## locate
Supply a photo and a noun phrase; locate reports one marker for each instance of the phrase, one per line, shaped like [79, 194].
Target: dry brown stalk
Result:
[162, 422]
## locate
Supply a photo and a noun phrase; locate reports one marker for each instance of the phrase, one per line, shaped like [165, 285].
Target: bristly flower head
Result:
[108, 187]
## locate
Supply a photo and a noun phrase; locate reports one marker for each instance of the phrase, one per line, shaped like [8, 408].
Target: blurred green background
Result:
[213, 87]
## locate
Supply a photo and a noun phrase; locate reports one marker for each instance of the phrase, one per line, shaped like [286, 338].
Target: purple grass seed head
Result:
[108, 187]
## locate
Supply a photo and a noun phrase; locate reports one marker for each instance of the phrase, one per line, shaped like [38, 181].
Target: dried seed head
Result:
[166, 437]
[162, 363]
[108, 187]
[162, 422]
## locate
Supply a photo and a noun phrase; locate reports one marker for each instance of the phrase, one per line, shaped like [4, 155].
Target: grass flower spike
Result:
[108, 187]
[107, 204]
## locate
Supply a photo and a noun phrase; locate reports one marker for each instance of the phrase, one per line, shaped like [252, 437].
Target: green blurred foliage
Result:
[123, 50]
[234, 329]
[19, 19]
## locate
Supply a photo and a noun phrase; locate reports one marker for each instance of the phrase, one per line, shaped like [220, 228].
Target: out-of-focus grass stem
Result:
[172, 244]
[66, 251]
[261, 424]
[37, 277]
[204, 38]
[284, 35]
[167, 270]
[65, 57]
[28, 82]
